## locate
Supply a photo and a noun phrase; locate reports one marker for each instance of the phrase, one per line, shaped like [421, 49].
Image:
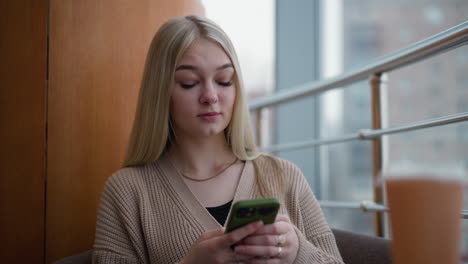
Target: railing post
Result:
[258, 128]
[375, 84]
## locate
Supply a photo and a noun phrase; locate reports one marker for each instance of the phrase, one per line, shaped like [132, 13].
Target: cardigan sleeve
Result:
[118, 235]
[316, 241]
[315, 247]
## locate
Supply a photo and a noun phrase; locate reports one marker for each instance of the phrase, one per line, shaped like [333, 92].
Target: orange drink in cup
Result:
[425, 218]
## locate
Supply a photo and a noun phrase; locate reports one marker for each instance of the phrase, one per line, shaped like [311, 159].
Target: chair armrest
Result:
[362, 249]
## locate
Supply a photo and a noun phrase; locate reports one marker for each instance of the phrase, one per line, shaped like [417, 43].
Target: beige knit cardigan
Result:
[147, 214]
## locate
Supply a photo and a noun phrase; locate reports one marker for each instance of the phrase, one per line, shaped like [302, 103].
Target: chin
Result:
[212, 132]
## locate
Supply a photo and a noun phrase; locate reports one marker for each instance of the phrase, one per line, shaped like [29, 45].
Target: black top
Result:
[221, 212]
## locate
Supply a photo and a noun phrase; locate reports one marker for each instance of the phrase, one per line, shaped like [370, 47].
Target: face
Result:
[203, 94]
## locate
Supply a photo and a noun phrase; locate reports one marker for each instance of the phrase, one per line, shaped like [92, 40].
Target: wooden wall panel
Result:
[23, 47]
[97, 52]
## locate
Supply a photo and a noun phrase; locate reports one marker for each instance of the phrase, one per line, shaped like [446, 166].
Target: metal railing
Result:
[368, 206]
[366, 134]
[442, 42]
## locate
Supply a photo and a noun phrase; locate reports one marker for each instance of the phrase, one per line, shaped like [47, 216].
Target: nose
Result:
[208, 94]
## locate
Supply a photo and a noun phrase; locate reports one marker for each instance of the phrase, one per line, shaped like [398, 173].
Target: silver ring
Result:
[280, 249]
[280, 240]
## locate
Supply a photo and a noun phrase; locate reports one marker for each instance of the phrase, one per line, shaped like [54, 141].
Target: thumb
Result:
[283, 218]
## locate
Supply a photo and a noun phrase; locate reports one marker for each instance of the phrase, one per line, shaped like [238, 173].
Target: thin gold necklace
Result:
[207, 179]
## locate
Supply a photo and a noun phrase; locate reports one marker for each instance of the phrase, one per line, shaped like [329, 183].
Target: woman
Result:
[191, 155]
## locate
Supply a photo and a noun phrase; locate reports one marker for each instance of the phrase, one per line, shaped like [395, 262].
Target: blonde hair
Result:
[152, 133]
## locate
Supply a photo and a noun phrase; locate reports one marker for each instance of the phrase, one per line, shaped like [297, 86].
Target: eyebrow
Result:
[193, 68]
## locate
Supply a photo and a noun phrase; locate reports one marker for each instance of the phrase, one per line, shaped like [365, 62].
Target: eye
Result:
[229, 83]
[187, 85]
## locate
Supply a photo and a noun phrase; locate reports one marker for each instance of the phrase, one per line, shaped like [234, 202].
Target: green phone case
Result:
[248, 211]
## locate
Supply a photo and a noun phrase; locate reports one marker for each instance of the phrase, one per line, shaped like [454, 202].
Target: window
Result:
[432, 88]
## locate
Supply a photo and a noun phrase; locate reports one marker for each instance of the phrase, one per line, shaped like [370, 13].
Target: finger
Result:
[237, 235]
[283, 218]
[256, 251]
[266, 240]
[212, 233]
[242, 259]
[276, 228]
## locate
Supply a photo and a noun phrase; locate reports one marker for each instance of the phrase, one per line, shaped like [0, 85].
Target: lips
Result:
[209, 116]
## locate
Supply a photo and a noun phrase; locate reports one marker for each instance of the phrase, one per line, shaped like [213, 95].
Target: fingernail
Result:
[255, 224]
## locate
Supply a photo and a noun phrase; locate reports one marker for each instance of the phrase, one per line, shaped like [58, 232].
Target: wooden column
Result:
[23, 60]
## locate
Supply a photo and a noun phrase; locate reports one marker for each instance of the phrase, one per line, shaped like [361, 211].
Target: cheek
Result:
[175, 106]
[231, 97]
[178, 99]
[181, 105]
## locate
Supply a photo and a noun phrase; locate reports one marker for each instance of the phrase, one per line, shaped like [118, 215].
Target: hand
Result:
[274, 243]
[215, 246]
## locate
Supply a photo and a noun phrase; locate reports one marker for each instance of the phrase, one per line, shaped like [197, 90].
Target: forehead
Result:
[204, 53]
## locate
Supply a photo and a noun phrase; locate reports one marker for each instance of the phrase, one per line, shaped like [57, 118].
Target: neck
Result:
[201, 157]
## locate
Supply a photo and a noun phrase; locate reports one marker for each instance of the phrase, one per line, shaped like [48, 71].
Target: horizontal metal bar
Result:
[367, 206]
[365, 134]
[309, 143]
[442, 42]
[370, 134]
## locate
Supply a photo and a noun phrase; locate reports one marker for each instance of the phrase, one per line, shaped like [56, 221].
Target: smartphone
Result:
[247, 211]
